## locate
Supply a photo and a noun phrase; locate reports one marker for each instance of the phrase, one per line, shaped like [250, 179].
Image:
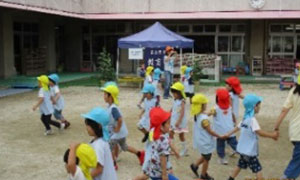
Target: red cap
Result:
[234, 82]
[223, 98]
[157, 117]
[168, 48]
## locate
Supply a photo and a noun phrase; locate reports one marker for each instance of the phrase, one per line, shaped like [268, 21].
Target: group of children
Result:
[106, 126]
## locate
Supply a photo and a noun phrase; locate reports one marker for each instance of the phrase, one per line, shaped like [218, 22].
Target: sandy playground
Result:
[25, 153]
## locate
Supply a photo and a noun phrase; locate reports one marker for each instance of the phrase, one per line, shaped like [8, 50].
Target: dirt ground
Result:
[25, 153]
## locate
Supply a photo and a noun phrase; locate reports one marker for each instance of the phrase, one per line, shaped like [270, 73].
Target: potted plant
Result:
[105, 68]
[197, 75]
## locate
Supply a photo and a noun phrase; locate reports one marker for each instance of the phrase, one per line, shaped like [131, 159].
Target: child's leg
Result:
[235, 173]
[259, 176]
[141, 177]
[171, 133]
[205, 164]
[232, 143]
[183, 144]
[54, 123]
[221, 148]
[45, 121]
[181, 137]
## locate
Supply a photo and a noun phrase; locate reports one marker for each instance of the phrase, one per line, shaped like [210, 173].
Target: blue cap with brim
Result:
[100, 116]
[54, 77]
[149, 88]
[249, 102]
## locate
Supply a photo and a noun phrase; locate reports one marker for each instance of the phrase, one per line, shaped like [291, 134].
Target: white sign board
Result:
[135, 53]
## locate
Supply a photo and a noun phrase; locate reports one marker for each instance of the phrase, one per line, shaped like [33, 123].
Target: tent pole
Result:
[193, 54]
[118, 59]
[180, 57]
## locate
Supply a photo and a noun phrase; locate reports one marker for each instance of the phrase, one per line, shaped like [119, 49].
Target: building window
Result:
[210, 28]
[183, 28]
[198, 28]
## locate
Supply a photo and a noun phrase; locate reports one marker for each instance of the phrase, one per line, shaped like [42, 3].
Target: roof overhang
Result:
[162, 16]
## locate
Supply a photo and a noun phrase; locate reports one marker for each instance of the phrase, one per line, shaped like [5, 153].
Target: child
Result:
[178, 117]
[157, 168]
[148, 80]
[224, 122]
[96, 122]
[182, 73]
[57, 99]
[149, 102]
[79, 159]
[233, 85]
[248, 142]
[203, 136]
[117, 127]
[296, 72]
[157, 84]
[46, 108]
[188, 83]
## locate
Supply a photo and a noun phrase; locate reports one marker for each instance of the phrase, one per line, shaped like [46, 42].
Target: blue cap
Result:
[249, 102]
[54, 77]
[187, 71]
[110, 83]
[157, 73]
[100, 116]
[148, 88]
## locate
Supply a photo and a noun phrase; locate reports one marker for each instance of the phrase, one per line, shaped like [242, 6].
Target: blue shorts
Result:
[170, 177]
[58, 114]
[251, 162]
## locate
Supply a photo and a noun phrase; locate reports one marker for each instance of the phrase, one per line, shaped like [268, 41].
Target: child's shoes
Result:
[195, 170]
[48, 132]
[223, 161]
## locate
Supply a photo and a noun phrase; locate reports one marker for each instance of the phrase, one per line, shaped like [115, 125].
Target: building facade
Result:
[45, 36]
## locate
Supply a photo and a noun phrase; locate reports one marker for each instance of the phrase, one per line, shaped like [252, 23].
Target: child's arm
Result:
[234, 119]
[274, 135]
[119, 125]
[40, 101]
[141, 101]
[117, 117]
[182, 109]
[235, 130]
[241, 96]
[57, 95]
[71, 166]
[281, 117]
[98, 170]
[143, 111]
[206, 125]
[212, 112]
[173, 148]
[163, 161]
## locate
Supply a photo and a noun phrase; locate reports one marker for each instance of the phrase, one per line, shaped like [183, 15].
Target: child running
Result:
[57, 99]
[117, 127]
[96, 122]
[203, 136]
[233, 85]
[149, 102]
[248, 142]
[79, 159]
[188, 83]
[157, 167]
[148, 80]
[224, 122]
[178, 116]
[45, 105]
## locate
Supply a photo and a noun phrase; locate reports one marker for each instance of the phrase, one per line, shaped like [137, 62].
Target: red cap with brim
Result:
[234, 82]
[157, 117]
[223, 98]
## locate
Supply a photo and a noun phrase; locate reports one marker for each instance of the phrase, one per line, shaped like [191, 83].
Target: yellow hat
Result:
[44, 82]
[113, 91]
[197, 101]
[298, 81]
[87, 159]
[149, 69]
[182, 69]
[179, 87]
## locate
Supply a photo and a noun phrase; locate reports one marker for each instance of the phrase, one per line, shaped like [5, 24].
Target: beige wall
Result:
[123, 6]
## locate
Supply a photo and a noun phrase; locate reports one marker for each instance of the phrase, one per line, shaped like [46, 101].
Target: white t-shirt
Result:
[104, 158]
[254, 125]
[169, 66]
[78, 175]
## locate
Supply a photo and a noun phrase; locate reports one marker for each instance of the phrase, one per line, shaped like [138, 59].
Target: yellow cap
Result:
[113, 91]
[44, 82]
[87, 159]
[179, 87]
[149, 69]
[298, 81]
[182, 69]
[197, 101]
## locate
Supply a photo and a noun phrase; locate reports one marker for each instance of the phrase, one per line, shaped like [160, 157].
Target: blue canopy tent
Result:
[155, 36]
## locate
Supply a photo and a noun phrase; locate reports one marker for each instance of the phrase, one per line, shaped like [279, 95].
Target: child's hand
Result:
[53, 102]
[165, 177]
[74, 145]
[176, 155]
[177, 124]
[224, 137]
[275, 135]
[34, 108]
[139, 106]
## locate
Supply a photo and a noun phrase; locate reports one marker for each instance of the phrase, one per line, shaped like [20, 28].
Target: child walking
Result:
[116, 126]
[96, 122]
[203, 136]
[57, 99]
[189, 83]
[157, 168]
[248, 142]
[148, 80]
[45, 105]
[79, 159]
[224, 122]
[149, 102]
[233, 85]
[178, 115]
[157, 84]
